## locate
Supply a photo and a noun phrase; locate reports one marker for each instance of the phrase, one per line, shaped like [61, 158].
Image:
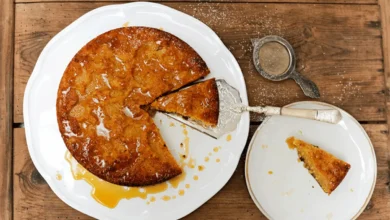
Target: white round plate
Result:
[290, 192]
[46, 146]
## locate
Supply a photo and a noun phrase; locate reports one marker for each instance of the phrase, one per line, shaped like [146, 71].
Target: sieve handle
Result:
[308, 87]
[332, 116]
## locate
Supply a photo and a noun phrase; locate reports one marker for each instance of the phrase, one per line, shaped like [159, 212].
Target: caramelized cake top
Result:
[100, 97]
[199, 102]
[328, 170]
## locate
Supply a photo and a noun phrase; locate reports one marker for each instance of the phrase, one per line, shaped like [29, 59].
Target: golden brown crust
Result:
[328, 170]
[199, 102]
[99, 99]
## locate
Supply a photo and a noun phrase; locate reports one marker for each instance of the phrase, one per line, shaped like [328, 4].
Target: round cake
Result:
[100, 100]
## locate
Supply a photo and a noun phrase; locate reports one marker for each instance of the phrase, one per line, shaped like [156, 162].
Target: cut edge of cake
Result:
[198, 102]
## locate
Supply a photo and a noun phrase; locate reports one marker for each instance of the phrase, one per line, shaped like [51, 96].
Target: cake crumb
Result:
[126, 24]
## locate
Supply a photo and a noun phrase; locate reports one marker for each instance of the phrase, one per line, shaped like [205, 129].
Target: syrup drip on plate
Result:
[177, 180]
[185, 159]
[229, 137]
[166, 198]
[109, 194]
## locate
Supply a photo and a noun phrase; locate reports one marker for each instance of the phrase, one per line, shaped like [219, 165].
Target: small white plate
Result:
[283, 189]
[47, 149]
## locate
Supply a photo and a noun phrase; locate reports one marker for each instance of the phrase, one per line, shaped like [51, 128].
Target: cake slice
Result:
[328, 170]
[199, 102]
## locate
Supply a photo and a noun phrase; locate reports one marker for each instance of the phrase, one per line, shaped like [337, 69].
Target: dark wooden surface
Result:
[338, 47]
[225, 1]
[385, 19]
[33, 196]
[342, 45]
[6, 109]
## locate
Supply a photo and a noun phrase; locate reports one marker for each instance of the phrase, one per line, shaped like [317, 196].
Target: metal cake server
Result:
[231, 107]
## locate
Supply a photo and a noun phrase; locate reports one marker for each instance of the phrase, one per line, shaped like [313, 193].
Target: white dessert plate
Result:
[283, 189]
[46, 146]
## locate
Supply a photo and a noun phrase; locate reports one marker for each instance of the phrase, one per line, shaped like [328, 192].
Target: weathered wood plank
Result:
[385, 20]
[338, 47]
[6, 110]
[227, 1]
[33, 198]
[379, 205]
[232, 202]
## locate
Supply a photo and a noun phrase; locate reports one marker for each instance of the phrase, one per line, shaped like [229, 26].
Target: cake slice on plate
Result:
[199, 102]
[328, 170]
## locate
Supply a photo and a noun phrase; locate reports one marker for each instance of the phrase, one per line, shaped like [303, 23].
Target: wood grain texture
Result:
[385, 19]
[33, 196]
[338, 47]
[379, 205]
[6, 111]
[227, 1]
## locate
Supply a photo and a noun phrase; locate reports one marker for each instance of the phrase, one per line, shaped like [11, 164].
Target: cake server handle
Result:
[332, 116]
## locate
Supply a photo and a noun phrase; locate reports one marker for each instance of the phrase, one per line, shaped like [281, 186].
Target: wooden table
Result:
[342, 45]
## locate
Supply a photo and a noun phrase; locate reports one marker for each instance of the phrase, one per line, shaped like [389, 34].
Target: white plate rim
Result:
[34, 76]
[317, 103]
